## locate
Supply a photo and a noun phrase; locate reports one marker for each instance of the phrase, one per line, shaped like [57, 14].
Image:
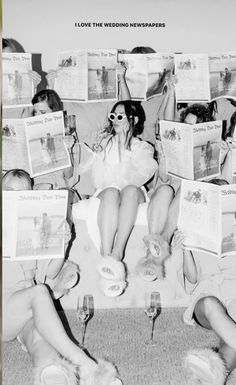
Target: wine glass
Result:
[152, 311]
[84, 313]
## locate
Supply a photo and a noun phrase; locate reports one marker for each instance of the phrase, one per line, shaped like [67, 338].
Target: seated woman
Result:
[119, 170]
[212, 306]
[29, 315]
[45, 102]
[164, 204]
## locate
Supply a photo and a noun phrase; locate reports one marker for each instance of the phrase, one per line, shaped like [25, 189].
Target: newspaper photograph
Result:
[14, 149]
[159, 67]
[206, 151]
[9, 209]
[147, 74]
[207, 217]
[87, 75]
[200, 216]
[17, 85]
[47, 151]
[102, 77]
[203, 77]
[222, 67]
[136, 74]
[228, 197]
[191, 151]
[71, 80]
[192, 75]
[39, 219]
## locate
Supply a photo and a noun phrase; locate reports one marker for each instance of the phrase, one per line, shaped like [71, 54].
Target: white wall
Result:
[46, 26]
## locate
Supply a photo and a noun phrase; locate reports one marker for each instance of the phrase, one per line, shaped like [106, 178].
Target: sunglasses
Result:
[112, 116]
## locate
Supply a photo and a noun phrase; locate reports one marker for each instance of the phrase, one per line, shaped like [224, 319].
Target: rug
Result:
[120, 335]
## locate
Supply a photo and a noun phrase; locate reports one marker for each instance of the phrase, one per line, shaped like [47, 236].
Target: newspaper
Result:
[35, 144]
[203, 77]
[18, 88]
[33, 224]
[147, 74]
[87, 75]
[191, 151]
[207, 217]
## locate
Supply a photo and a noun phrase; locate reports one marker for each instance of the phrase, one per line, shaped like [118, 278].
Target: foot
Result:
[54, 375]
[206, 367]
[110, 268]
[157, 246]
[65, 280]
[149, 268]
[112, 288]
[104, 374]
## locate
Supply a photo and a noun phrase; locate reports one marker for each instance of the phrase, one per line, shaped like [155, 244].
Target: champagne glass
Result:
[152, 311]
[84, 313]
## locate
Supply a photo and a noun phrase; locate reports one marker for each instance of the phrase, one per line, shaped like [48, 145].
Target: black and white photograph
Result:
[128, 109]
[206, 160]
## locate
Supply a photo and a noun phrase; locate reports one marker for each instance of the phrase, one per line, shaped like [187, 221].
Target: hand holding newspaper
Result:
[191, 151]
[30, 224]
[36, 144]
[207, 217]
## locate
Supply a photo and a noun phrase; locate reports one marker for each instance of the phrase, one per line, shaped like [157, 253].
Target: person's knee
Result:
[164, 193]
[41, 291]
[130, 192]
[111, 195]
[209, 305]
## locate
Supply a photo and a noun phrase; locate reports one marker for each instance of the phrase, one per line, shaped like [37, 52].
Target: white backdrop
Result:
[47, 26]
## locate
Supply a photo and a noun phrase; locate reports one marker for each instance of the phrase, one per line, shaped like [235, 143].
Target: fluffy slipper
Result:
[112, 288]
[110, 268]
[206, 367]
[149, 268]
[157, 246]
[65, 280]
[105, 374]
[59, 372]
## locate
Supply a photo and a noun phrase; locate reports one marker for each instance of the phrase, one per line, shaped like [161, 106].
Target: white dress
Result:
[114, 168]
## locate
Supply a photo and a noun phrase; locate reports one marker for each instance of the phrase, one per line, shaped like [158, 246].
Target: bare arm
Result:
[123, 92]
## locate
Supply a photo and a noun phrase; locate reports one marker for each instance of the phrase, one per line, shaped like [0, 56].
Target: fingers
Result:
[35, 77]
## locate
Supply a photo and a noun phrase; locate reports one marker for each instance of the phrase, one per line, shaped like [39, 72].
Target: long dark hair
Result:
[132, 109]
[231, 129]
[51, 97]
[202, 112]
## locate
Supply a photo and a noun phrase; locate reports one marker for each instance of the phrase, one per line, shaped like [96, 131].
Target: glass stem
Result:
[152, 329]
[84, 325]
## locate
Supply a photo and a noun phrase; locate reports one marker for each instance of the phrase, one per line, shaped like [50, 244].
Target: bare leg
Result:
[212, 315]
[108, 218]
[131, 197]
[158, 208]
[40, 351]
[172, 218]
[35, 303]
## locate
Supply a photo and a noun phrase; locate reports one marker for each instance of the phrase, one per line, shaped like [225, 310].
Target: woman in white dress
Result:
[119, 170]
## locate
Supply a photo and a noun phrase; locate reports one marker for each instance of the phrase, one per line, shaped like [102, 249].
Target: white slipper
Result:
[150, 268]
[54, 375]
[112, 288]
[157, 246]
[110, 268]
[105, 374]
[206, 367]
[59, 372]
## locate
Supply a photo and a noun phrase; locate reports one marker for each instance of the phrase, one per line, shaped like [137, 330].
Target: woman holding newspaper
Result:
[212, 306]
[30, 316]
[164, 205]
